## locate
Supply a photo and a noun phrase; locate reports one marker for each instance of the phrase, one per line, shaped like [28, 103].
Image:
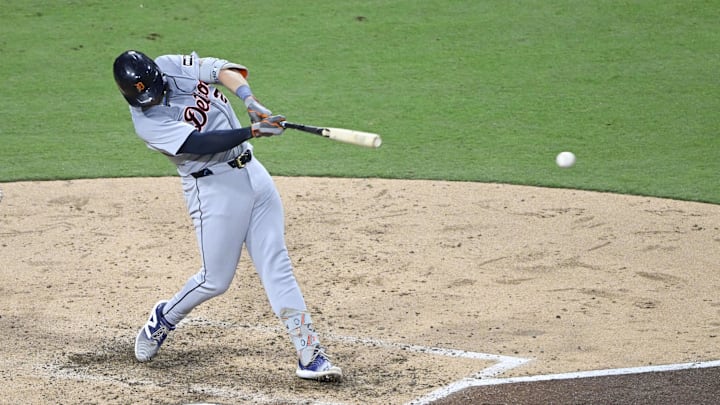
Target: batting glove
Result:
[256, 111]
[269, 126]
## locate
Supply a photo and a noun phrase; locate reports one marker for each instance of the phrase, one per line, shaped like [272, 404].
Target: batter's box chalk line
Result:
[502, 363]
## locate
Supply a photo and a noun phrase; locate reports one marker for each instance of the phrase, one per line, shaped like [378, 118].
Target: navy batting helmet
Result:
[139, 79]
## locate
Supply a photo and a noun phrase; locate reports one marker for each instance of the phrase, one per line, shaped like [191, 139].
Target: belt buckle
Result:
[241, 161]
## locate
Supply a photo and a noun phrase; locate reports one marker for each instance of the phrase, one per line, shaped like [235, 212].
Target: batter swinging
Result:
[230, 196]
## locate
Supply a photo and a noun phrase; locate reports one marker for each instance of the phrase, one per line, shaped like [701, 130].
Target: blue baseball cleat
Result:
[153, 334]
[319, 368]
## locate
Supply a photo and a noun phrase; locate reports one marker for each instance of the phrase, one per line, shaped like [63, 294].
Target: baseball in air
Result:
[565, 159]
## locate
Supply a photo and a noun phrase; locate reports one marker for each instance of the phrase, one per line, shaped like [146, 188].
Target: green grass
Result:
[470, 90]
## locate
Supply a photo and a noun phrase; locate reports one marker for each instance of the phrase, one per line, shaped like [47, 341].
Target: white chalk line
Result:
[477, 382]
[603, 373]
[503, 364]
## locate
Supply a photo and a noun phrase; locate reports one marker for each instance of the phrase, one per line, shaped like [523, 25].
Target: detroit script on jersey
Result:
[197, 115]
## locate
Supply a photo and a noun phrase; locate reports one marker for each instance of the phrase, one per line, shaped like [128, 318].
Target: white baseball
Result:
[565, 159]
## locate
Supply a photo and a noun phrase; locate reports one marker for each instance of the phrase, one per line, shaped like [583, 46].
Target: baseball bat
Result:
[350, 136]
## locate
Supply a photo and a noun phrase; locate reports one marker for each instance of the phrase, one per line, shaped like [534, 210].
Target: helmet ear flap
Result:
[139, 79]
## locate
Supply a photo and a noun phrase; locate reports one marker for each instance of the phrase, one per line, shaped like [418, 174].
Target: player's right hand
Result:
[268, 126]
[256, 110]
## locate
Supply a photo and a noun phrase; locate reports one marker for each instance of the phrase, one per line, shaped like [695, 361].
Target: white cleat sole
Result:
[333, 374]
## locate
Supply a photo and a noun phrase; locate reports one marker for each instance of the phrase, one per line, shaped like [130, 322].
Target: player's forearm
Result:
[232, 79]
[235, 82]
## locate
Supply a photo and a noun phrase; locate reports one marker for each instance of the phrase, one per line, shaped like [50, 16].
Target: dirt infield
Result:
[414, 285]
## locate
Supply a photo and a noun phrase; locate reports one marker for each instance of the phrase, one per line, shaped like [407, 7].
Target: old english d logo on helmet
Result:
[139, 79]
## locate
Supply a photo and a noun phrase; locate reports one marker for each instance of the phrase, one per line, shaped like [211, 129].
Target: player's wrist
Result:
[243, 92]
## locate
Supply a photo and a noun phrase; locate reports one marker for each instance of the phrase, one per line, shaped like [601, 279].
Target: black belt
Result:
[237, 163]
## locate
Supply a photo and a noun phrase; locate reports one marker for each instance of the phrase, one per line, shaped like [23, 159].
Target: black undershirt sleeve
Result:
[220, 140]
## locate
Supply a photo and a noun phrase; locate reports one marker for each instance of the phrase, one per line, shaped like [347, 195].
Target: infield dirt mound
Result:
[572, 280]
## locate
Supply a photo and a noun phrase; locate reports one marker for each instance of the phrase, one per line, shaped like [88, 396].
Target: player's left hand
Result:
[269, 126]
[256, 111]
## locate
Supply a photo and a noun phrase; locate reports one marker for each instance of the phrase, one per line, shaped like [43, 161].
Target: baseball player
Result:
[231, 198]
